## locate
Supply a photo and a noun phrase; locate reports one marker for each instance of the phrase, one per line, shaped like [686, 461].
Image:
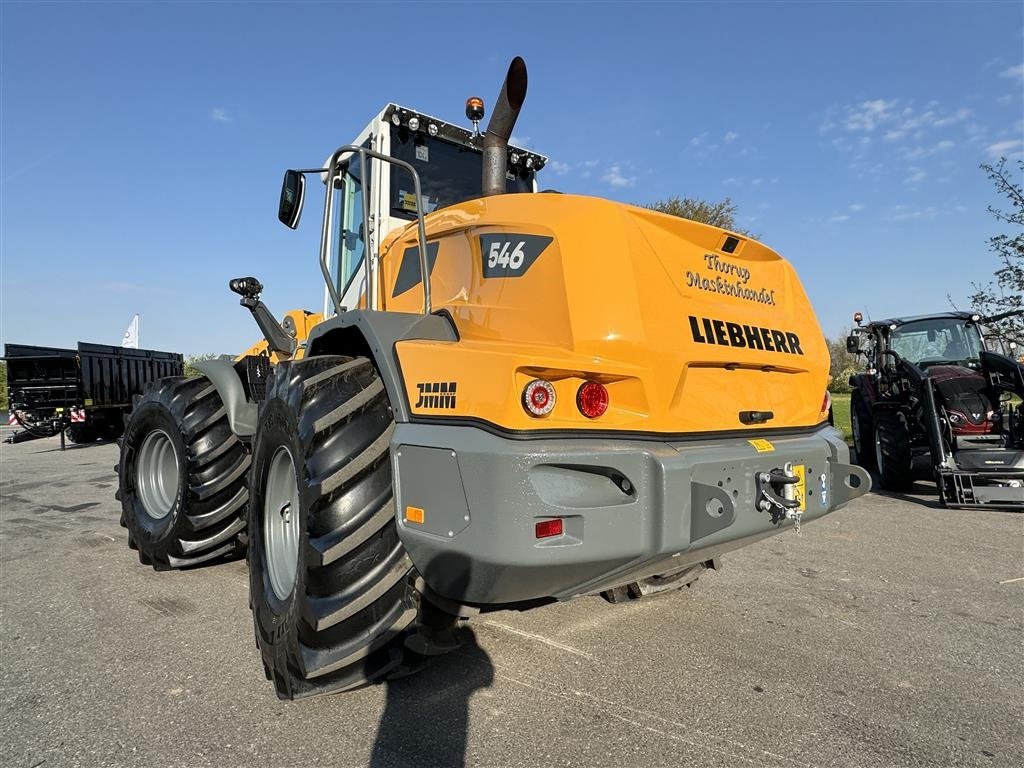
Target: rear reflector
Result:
[547, 528]
[592, 399]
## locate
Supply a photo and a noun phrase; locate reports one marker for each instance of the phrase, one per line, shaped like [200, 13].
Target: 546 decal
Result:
[510, 255]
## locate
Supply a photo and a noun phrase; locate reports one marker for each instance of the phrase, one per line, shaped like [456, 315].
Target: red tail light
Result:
[592, 399]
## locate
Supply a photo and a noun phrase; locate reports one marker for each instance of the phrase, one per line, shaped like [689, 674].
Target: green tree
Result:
[843, 364]
[717, 214]
[3, 386]
[1006, 292]
[191, 360]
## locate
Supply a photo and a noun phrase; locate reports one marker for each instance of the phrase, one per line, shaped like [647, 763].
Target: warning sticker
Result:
[762, 446]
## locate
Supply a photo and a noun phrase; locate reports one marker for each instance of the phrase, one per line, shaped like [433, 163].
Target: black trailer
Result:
[87, 390]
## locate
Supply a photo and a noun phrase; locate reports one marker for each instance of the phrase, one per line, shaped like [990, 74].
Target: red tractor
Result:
[938, 400]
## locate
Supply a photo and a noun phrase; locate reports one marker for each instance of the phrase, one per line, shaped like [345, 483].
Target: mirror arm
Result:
[277, 339]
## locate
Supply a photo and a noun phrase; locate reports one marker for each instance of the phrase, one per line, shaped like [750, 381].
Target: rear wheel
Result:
[182, 476]
[863, 431]
[332, 590]
[893, 453]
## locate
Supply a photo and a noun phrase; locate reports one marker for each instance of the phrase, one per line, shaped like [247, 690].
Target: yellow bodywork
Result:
[304, 323]
[651, 305]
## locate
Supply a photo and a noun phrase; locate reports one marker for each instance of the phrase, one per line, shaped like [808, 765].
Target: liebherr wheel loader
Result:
[512, 397]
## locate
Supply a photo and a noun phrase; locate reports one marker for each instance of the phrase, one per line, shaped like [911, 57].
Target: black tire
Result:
[893, 452]
[655, 585]
[82, 434]
[204, 520]
[343, 618]
[863, 430]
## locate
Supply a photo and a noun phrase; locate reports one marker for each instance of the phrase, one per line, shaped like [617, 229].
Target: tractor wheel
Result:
[331, 586]
[182, 476]
[892, 452]
[81, 434]
[863, 430]
[655, 585]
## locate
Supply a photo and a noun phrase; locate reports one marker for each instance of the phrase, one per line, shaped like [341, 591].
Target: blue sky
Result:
[143, 144]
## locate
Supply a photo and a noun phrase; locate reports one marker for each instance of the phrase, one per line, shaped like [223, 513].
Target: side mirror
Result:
[293, 190]
[853, 343]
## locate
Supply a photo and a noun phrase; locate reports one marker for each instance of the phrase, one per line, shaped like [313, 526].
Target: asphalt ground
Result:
[889, 634]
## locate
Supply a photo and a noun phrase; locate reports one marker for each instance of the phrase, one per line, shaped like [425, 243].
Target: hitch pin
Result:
[789, 493]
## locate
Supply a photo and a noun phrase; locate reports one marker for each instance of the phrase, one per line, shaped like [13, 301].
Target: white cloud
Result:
[559, 167]
[615, 177]
[1013, 73]
[696, 141]
[519, 141]
[916, 153]
[916, 176]
[730, 137]
[868, 115]
[220, 115]
[731, 181]
[589, 163]
[894, 135]
[839, 217]
[1011, 149]
[857, 207]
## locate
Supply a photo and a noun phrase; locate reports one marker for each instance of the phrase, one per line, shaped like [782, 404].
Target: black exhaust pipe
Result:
[499, 128]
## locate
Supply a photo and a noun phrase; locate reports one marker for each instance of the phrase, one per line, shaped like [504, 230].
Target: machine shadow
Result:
[425, 721]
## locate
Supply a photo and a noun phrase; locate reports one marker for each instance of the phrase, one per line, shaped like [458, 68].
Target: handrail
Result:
[370, 262]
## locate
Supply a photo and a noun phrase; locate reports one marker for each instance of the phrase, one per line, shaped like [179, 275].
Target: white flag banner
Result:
[131, 334]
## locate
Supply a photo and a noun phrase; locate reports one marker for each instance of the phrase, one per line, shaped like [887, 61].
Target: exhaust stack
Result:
[499, 128]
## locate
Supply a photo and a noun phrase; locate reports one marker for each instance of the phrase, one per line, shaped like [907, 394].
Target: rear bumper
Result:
[630, 508]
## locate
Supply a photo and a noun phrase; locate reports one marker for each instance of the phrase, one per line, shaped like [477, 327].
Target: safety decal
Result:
[762, 446]
[510, 255]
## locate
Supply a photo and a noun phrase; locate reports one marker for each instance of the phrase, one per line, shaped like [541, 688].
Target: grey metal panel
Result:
[381, 330]
[242, 414]
[612, 536]
[432, 482]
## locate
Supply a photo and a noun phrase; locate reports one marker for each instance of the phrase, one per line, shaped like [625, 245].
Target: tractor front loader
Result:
[513, 397]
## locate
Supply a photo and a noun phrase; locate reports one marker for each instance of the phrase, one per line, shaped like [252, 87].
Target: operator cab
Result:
[938, 341]
[448, 160]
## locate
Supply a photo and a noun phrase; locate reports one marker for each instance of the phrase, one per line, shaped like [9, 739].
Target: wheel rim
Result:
[156, 474]
[281, 523]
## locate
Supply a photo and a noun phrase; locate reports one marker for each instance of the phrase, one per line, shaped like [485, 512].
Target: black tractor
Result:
[940, 398]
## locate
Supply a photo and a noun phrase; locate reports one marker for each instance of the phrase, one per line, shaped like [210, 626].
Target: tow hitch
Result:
[777, 494]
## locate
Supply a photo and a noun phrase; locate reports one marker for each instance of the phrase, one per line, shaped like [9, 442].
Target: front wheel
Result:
[332, 589]
[863, 430]
[182, 476]
[893, 453]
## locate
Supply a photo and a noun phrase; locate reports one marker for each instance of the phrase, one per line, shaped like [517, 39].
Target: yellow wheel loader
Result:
[511, 397]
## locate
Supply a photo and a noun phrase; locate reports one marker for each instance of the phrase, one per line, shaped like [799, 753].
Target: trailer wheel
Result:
[81, 434]
[182, 476]
[892, 452]
[863, 430]
[655, 585]
[331, 587]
